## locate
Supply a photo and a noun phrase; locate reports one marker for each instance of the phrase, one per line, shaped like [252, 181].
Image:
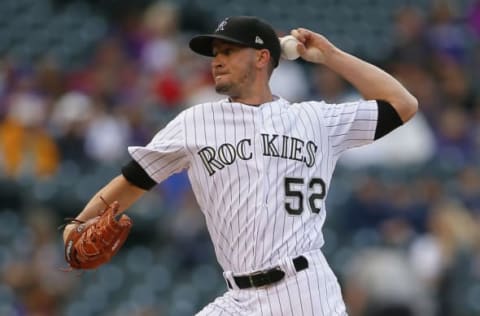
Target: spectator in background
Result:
[159, 57]
[107, 79]
[161, 25]
[107, 136]
[454, 136]
[446, 36]
[446, 250]
[407, 206]
[50, 78]
[71, 115]
[380, 281]
[26, 148]
[410, 45]
[366, 205]
[455, 86]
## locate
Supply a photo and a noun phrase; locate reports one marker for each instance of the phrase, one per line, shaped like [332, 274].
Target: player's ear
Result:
[263, 58]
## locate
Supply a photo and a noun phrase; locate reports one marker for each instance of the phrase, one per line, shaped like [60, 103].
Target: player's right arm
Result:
[372, 82]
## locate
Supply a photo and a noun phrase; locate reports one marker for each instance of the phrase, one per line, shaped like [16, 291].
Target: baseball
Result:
[289, 47]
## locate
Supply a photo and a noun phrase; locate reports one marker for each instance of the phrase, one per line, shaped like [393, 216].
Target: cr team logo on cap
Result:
[221, 26]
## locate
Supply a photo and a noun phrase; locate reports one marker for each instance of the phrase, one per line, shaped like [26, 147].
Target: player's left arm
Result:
[119, 189]
[372, 82]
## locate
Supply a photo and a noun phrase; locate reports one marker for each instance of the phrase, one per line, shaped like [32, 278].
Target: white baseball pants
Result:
[314, 291]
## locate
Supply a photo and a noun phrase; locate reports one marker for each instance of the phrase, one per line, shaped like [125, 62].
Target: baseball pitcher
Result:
[260, 167]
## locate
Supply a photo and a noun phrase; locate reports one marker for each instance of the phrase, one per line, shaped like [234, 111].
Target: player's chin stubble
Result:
[233, 89]
[223, 88]
[229, 89]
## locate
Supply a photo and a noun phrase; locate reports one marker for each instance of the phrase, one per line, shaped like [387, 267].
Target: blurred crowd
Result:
[403, 231]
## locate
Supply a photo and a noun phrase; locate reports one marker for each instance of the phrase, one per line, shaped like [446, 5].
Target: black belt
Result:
[267, 277]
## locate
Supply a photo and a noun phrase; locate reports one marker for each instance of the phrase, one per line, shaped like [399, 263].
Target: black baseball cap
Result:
[248, 31]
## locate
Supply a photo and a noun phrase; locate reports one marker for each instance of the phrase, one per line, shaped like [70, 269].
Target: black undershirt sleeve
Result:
[135, 174]
[388, 119]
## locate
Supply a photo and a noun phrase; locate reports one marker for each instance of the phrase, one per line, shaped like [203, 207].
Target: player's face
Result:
[232, 68]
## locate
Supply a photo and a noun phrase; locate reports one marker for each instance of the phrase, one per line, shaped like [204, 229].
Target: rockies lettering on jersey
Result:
[291, 148]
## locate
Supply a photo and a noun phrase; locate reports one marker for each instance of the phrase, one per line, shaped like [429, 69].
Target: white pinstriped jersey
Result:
[260, 173]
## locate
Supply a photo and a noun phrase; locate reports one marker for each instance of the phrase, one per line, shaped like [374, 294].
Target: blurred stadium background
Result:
[82, 80]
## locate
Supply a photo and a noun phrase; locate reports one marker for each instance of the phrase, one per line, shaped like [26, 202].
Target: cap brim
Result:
[203, 44]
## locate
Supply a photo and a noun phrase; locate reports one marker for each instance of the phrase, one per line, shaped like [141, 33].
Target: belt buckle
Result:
[254, 274]
[265, 279]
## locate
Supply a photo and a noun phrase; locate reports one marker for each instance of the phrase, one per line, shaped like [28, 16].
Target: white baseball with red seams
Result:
[288, 45]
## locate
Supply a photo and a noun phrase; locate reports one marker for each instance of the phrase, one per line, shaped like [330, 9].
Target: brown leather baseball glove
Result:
[96, 241]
